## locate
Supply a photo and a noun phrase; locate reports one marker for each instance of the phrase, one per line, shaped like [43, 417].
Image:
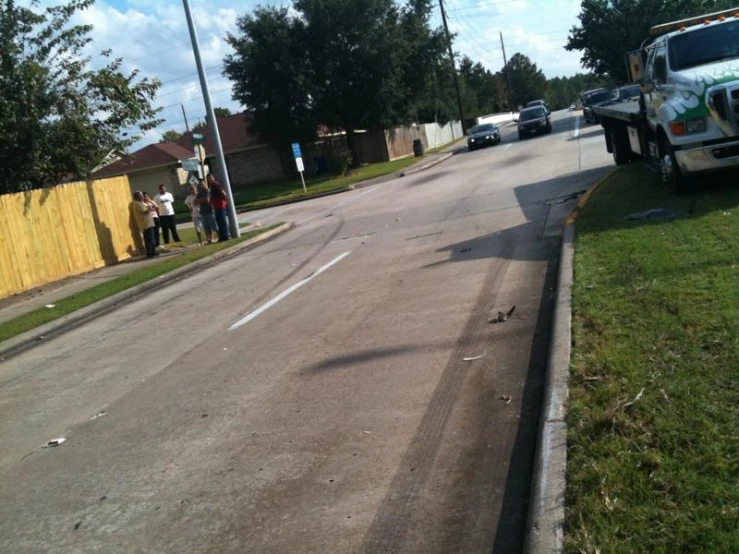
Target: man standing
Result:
[219, 201]
[145, 223]
[165, 201]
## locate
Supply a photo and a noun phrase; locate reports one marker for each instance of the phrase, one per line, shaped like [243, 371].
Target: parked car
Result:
[542, 103]
[593, 98]
[483, 135]
[533, 121]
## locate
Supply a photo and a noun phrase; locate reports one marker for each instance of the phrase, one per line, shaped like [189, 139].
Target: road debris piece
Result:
[507, 398]
[636, 399]
[367, 432]
[473, 359]
[655, 213]
[55, 442]
[502, 316]
[50, 306]
[77, 525]
[40, 337]
[100, 414]
[465, 250]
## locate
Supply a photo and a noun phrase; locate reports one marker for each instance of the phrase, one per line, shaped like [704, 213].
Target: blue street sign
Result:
[296, 150]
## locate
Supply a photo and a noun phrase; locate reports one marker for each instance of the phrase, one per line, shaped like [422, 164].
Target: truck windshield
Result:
[708, 45]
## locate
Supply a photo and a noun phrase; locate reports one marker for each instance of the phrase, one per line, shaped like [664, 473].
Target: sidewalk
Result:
[47, 295]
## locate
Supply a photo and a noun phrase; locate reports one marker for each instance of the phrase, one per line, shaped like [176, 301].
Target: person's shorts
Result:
[209, 223]
[197, 222]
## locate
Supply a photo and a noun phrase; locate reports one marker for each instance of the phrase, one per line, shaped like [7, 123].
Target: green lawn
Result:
[148, 271]
[653, 421]
[265, 194]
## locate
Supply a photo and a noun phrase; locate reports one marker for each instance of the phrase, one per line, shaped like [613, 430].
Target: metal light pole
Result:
[221, 170]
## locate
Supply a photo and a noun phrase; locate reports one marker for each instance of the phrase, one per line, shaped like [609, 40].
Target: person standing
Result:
[155, 214]
[195, 212]
[219, 201]
[207, 217]
[145, 222]
[165, 203]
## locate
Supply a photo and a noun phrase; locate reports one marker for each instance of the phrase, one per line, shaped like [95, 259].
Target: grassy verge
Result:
[443, 146]
[653, 442]
[85, 298]
[265, 194]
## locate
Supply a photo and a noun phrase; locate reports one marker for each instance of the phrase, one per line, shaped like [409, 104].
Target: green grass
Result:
[443, 146]
[85, 298]
[265, 194]
[655, 308]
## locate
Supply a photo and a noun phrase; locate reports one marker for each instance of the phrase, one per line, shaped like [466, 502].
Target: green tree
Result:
[527, 80]
[271, 76]
[610, 28]
[221, 112]
[58, 116]
[171, 135]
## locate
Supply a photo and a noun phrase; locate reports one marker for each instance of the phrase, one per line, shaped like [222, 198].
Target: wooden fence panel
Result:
[49, 234]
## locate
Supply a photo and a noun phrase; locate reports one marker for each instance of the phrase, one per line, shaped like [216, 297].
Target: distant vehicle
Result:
[542, 103]
[592, 98]
[573, 107]
[483, 135]
[533, 121]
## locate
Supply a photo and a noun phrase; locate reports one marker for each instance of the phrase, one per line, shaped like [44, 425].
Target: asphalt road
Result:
[312, 395]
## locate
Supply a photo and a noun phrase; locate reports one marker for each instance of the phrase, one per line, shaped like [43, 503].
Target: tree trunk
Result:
[351, 144]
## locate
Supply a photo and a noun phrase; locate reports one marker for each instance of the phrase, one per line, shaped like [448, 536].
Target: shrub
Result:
[339, 161]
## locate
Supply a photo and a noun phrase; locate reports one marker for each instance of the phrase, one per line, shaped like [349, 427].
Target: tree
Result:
[221, 112]
[170, 135]
[271, 76]
[58, 116]
[527, 80]
[610, 28]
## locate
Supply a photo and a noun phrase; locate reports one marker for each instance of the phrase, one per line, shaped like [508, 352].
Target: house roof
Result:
[149, 157]
[234, 131]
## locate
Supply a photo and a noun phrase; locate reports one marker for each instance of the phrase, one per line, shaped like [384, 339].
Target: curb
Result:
[575, 212]
[432, 163]
[545, 522]
[66, 323]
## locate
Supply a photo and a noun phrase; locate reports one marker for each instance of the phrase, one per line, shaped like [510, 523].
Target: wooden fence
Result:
[49, 234]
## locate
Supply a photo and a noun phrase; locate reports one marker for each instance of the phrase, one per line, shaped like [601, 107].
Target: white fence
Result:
[438, 135]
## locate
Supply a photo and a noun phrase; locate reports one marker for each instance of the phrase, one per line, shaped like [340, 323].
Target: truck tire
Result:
[620, 146]
[671, 174]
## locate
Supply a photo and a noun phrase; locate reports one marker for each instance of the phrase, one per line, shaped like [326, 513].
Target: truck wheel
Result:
[620, 146]
[671, 174]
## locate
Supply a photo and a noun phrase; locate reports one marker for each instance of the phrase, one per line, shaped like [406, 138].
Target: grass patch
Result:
[655, 309]
[39, 317]
[443, 146]
[265, 194]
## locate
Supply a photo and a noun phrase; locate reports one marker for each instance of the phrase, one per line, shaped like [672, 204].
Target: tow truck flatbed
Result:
[628, 111]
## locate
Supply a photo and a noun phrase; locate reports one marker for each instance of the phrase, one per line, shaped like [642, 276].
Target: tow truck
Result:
[686, 120]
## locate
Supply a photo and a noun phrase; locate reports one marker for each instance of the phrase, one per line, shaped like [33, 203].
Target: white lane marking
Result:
[507, 146]
[576, 133]
[266, 306]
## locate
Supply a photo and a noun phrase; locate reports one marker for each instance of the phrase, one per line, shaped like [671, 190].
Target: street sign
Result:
[299, 162]
[198, 138]
[193, 179]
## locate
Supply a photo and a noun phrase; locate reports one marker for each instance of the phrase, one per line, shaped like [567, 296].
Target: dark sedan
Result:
[533, 121]
[483, 135]
[591, 99]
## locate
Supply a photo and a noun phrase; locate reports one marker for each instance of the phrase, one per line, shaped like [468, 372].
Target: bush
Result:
[339, 161]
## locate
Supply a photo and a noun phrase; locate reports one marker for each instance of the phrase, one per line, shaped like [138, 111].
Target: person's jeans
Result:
[222, 222]
[157, 224]
[169, 224]
[150, 242]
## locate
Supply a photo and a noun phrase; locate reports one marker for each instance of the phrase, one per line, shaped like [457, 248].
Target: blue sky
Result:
[151, 36]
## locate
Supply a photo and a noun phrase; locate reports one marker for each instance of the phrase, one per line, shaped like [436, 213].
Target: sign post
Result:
[299, 162]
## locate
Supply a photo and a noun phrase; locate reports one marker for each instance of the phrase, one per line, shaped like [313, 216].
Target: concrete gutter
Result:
[545, 525]
[59, 326]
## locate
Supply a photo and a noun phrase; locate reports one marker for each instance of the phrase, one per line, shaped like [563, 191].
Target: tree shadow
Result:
[28, 197]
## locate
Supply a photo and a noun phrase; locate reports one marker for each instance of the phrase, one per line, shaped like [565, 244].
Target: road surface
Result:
[313, 395]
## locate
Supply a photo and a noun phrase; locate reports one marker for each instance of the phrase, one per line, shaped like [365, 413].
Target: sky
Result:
[152, 37]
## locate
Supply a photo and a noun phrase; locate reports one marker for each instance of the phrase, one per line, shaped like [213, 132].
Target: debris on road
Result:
[100, 414]
[502, 316]
[465, 250]
[473, 359]
[655, 213]
[367, 432]
[426, 235]
[55, 442]
[40, 337]
[507, 398]
[77, 525]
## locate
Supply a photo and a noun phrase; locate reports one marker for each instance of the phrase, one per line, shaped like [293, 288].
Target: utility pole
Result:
[507, 77]
[221, 169]
[187, 127]
[454, 66]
